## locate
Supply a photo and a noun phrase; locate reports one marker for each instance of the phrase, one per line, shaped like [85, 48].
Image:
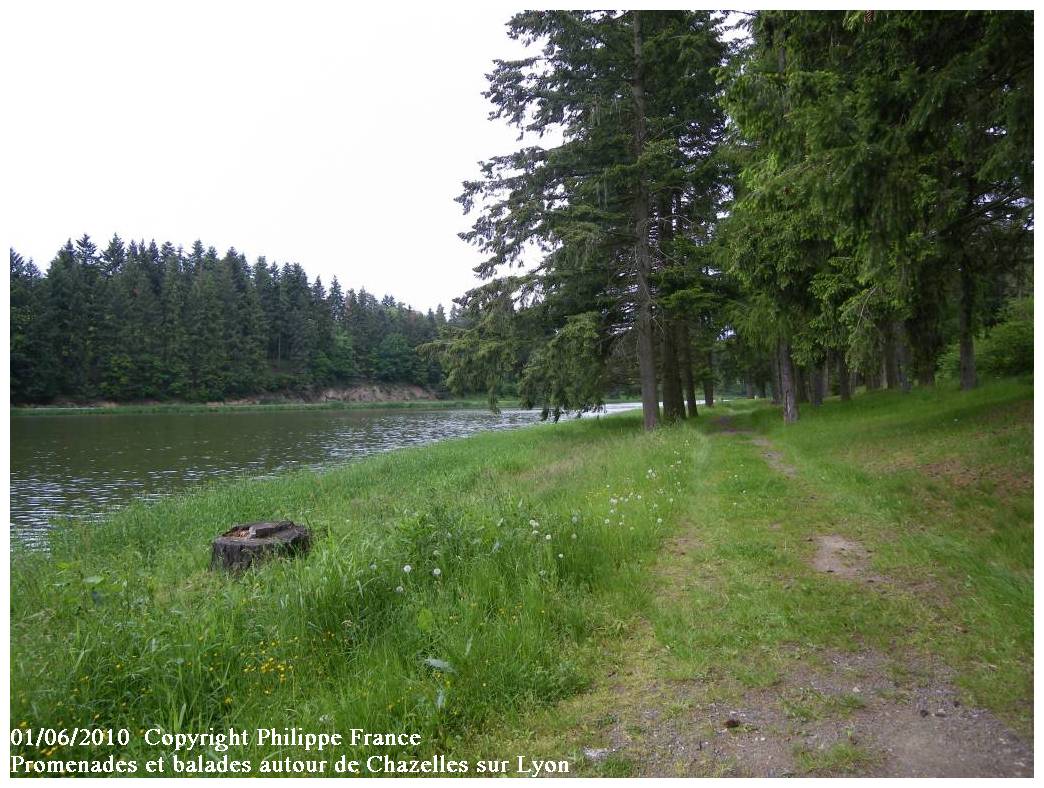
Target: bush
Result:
[1005, 351]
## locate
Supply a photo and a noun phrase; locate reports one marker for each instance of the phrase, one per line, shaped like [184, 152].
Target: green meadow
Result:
[477, 591]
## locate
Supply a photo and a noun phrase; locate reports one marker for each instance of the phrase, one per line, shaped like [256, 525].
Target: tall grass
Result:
[517, 558]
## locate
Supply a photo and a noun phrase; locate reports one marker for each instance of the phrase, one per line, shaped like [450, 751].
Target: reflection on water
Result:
[83, 466]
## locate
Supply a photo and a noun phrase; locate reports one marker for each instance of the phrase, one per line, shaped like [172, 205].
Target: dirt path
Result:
[830, 712]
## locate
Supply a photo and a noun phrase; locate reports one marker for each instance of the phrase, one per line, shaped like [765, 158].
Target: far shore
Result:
[130, 408]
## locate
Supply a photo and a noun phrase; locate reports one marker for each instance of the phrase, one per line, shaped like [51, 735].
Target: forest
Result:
[145, 322]
[813, 202]
[785, 204]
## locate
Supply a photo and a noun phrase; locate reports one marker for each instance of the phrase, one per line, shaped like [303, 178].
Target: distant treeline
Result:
[142, 321]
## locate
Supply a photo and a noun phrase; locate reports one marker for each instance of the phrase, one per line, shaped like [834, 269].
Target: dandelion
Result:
[407, 569]
[399, 589]
[547, 537]
[560, 555]
[436, 571]
[373, 567]
[659, 520]
[574, 536]
[536, 533]
[576, 518]
[534, 524]
[607, 521]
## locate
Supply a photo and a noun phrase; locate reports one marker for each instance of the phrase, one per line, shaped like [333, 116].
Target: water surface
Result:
[83, 466]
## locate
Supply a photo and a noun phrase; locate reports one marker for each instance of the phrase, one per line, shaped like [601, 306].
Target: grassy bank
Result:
[549, 548]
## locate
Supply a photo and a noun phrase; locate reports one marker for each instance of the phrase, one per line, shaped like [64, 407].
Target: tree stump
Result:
[243, 545]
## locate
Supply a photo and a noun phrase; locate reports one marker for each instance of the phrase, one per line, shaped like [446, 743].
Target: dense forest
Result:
[792, 204]
[141, 322]
[825, 200]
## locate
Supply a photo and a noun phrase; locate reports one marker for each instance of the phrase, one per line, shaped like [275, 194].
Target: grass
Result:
[701, 574]
[123, 626]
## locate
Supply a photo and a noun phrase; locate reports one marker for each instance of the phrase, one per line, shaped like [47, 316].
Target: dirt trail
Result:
[831, 713]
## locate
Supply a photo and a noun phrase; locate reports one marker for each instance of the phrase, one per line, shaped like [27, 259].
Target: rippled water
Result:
[84, 466]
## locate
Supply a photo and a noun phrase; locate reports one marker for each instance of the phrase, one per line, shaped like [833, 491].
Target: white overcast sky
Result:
[335, 135]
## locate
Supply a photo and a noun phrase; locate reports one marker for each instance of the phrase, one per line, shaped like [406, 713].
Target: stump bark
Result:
[244, 545]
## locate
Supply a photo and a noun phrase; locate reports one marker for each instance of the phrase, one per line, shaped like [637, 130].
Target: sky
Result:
[327, 134]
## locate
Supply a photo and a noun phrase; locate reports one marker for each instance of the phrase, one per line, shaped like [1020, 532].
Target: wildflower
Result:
[373, 567]
[547, 537]
[534, 524]
[407, 569]
[560, 555]
[574, 536]
[399, 589]
[436, 571]
[659, 520]
[542, 573]
[607, 521]
[576, 518]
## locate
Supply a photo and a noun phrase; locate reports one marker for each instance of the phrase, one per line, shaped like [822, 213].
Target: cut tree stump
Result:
[243, 545]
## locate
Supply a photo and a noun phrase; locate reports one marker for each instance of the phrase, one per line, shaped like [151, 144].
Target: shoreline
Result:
[28, 411]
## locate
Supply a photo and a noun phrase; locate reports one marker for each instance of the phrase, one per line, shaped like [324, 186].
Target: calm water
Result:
[84, 466]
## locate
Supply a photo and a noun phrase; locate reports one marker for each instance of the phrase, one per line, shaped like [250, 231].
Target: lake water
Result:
[83, 466]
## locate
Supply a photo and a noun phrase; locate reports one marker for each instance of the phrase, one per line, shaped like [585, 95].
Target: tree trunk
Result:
[777, 385]
[245, 545]
[872, 379]
[646, 359]
[749, 385]
[902, 357]
[844, 379]
[800, 381]
[685, 361]
[786, 375]
[891, 357]
[816, 384]
[967, 312]
[708, 381]
[673, 404]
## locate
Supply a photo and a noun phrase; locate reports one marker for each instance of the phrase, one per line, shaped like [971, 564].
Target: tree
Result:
[625, 90]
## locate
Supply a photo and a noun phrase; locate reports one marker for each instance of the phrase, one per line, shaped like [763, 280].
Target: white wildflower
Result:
[373, 567]
[399, 589]
[561, 556]
[534, 524]
[436, 571]
[407, 569]
[548, 537]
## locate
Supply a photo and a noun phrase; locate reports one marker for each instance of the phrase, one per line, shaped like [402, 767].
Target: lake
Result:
[84, 466]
